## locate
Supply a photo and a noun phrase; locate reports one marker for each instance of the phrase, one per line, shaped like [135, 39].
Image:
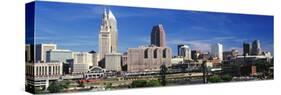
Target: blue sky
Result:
[76, 27]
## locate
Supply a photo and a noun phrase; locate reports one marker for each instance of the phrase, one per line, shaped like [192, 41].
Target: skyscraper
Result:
[217, 51]
[179, 48]
[108, 36]
[158, 36]
[185, 52]
[195, 54]
[256, 47]
[246, 49]
[41, 51]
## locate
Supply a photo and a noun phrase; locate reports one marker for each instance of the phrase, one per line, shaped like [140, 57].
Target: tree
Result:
[153, 83]
[108, 85]
[215, 79]
[81, 84]
[66, 84]
[139, 83]
[55, 87]
[163, 72]
[38, 91]
[145, 83]
[226, 78]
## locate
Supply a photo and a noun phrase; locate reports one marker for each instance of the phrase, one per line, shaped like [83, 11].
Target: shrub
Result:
[215, 79]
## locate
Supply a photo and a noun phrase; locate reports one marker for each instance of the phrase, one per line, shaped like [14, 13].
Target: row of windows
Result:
[42, 70]
[164, 54]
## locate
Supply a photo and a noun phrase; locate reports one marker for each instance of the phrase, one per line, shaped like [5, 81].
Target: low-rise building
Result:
[177, 60]
[95, 73]
[77, 68]
[39, 74]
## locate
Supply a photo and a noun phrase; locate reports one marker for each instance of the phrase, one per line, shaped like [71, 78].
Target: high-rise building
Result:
[179, 48]
[256, 48]
[227, 55]
[41, 51]
[195, 54]
[113, 61]
[59, 55]
[246, 49]
[108, 36]
[185, 52]
[217, 51]
[158, 36]
[148, 58]
[29, 53]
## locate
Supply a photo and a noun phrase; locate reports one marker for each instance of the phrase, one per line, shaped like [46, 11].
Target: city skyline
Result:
[81, 47]
[197, 29]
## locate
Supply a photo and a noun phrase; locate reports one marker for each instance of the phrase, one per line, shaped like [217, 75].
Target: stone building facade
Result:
[148, 58]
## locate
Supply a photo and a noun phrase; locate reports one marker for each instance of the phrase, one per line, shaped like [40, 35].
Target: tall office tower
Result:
[217, 51]
[41, 51]
[246, 49]
[256, 48]
[29, 50]
[158, 36]
[108, 36]
[185, 52]
[195, 54]
[179, 48]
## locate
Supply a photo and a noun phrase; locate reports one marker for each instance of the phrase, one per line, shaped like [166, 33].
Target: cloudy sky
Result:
[76, 27]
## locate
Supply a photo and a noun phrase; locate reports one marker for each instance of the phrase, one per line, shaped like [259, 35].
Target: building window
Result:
[53, 70]
[40, 70]
[50, 69]
[146, 53]
[164, 53]
[155, 53]
[37, 71]
[58, 69]
[46, 72]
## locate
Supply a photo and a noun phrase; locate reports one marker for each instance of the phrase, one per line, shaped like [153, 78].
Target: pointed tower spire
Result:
[110, 15]
[104, 13]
